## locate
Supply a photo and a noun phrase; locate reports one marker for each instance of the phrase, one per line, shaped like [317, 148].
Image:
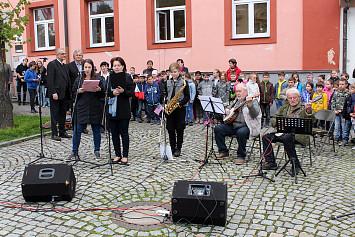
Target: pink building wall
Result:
[208, 49]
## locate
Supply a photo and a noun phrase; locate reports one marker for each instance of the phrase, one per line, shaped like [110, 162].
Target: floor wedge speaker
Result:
[199, 202]
[46, 182]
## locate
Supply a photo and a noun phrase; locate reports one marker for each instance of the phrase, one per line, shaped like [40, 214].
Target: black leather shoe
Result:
[85, 131]
[56, 138]
[270, 166]
[177, 152]
[65, 135]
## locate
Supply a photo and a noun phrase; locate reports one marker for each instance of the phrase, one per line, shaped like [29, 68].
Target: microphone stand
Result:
[74, 120]
[41, 154]
[104, 123]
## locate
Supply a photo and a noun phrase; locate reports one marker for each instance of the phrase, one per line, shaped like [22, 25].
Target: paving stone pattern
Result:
[256, 208]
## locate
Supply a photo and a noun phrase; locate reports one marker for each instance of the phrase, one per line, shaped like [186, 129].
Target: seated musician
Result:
[246, 125]
[291, 108]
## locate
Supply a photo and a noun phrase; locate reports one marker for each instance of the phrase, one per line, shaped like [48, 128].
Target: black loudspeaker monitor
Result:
[47, 182]
[199, 202]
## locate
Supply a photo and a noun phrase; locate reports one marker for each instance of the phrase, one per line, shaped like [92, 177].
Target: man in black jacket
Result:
[59, 91]
[20, 73]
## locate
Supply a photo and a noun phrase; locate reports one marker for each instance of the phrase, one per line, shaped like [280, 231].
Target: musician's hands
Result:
[308, 106]
[81, 90]
[249, 100]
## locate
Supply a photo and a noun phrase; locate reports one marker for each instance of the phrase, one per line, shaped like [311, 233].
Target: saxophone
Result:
[173, 104]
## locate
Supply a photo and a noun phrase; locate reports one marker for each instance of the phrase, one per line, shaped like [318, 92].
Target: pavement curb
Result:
[22, 139]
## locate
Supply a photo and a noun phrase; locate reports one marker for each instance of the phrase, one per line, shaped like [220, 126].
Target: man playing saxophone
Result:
[177, 97]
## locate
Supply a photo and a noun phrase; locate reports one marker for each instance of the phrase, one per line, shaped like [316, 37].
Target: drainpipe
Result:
[66, 30]
[345, 34]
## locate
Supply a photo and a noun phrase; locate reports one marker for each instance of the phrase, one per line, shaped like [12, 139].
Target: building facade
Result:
[262, 35]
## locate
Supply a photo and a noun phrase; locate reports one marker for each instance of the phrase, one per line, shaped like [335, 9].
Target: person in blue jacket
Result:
[31, 79]
[152, 96]
[189, 109]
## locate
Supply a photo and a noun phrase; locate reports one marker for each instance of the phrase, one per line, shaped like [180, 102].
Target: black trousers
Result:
[265, 110]
[33, 93]
[288, 141]
[120, 128]
[20, 85]
[58, 114]
[134, 107]
[175, 125]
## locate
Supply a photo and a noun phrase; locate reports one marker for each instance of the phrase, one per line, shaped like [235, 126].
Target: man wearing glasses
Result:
[59, 91]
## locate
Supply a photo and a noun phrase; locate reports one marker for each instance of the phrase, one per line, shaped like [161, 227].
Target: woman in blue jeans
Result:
[88, 109]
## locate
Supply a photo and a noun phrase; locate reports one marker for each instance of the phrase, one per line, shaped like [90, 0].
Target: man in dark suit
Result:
[59, 91]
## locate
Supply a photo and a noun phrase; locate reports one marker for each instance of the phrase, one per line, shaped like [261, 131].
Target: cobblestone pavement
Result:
[255, 208]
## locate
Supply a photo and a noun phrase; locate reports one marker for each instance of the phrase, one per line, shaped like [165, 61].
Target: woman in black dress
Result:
[120, 89]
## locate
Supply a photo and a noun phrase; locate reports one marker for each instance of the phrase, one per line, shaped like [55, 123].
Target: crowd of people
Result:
[178, 90]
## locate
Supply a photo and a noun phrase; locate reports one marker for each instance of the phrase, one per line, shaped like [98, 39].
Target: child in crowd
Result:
[139, 92]
[335, 88]
[189, 109]
[334, 74]
[266, 98]
[345, 76]
[162, 85]
[152, 96]
[329, 90]
[320, 104]
[205, 89]
[216, 76]
[155, 76]
[222, 89]
[253, 84]
[310, 80]
[337, 105]
[233, 83]
[242, 78]
[351, 106]
[132, 71]
[175, 123]
[134, 99]
[198, 112]
[280, 86]
[291, 84]
[307, 94]
[347, 110]
[298, 83]
[321, 78]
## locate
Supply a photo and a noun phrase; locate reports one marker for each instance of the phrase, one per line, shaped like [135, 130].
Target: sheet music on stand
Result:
[208, 101]
[294, 125]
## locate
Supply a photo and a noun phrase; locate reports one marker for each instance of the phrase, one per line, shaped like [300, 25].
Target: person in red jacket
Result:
[233, 68]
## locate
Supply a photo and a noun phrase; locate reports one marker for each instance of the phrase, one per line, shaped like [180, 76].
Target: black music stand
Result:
[295, 126]
[214, 106]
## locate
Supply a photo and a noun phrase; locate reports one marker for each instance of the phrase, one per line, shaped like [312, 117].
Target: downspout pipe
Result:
[345, 34]
[66, 29]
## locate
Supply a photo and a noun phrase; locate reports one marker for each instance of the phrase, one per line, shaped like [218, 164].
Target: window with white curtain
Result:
[44, 28]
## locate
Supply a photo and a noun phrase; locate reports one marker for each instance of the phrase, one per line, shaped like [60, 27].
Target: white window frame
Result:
[172, 29]
[250, 4]
[46, 35]
[103, 28]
